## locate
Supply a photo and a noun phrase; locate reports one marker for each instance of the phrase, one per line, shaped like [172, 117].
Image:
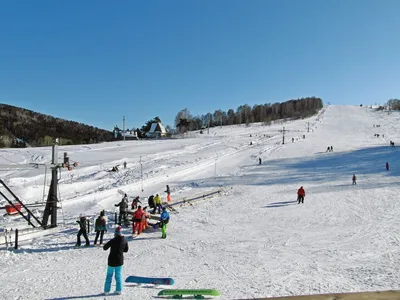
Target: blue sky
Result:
[94, 61]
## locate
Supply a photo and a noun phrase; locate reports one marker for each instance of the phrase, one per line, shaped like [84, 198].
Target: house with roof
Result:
[157, 130]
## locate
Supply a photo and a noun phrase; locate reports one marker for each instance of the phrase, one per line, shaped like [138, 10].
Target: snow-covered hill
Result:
[253, 240]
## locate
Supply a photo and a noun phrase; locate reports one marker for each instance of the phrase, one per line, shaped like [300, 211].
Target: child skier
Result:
[135, 203]
[118, 246]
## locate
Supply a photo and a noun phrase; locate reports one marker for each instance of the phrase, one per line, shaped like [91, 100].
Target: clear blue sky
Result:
[94, 61]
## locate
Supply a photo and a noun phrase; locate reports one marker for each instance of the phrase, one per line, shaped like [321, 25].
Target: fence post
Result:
[16, 239]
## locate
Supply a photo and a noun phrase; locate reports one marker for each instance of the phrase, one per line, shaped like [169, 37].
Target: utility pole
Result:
[52, 198]
[123, 126]
[283, 134]
[141, 172]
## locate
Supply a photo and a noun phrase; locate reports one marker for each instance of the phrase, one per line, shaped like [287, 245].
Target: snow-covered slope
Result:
[252, 241]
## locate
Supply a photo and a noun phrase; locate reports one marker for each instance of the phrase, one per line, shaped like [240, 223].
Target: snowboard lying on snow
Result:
[150, 280]
[198, 293]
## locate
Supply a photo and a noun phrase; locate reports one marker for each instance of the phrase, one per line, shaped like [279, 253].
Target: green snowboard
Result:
[198, 294]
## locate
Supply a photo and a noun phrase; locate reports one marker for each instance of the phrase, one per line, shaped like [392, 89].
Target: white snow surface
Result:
[251, 241]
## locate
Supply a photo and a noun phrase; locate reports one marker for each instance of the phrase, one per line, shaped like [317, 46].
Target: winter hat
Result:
[118, 230]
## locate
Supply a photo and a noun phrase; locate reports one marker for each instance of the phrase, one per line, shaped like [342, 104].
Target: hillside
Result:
[20, 127]
[251, 241]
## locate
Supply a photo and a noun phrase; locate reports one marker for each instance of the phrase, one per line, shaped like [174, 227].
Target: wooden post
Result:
[16, 239]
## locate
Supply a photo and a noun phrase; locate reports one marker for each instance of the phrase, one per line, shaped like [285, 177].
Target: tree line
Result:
[244, 114]
[21, 127]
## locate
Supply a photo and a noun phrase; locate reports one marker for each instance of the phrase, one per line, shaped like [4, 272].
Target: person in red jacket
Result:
[300, 195]
[137, 219]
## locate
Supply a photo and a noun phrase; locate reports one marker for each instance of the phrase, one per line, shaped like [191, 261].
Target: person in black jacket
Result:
[151, 201]
[123, 207]
[82, 231]
[118, 246]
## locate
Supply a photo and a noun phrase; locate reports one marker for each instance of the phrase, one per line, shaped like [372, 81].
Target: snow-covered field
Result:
[253, 240]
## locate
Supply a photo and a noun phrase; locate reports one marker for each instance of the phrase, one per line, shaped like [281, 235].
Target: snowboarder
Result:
[168, 191]
[135, 203]
[387, 166]
[151, 201]
[259, 160]
[300, 195]
[157, 202]
[118, 246]
[123, 206]
[82, 231]
[164, 219]
[137, 221]
[100, 227]
[354, 179]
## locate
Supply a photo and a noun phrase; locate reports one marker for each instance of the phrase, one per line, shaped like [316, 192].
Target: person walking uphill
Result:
[118, 246]
[300, 195]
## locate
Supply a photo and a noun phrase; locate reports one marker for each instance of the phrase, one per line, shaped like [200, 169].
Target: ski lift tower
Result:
[52, 199]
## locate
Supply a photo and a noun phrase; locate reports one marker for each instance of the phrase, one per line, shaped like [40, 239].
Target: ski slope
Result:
[252, 241]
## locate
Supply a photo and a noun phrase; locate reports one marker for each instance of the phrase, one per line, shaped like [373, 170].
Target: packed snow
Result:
[250, 240]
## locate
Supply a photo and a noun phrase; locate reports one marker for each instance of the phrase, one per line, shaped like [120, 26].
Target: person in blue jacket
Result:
[164, 219]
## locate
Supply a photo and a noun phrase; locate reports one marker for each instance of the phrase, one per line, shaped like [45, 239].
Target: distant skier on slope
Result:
[300, 195]
[354, 178]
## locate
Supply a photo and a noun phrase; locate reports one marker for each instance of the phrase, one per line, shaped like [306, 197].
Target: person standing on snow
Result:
[82, 231]
[354, 178]
[118, 246]
[164, 219]
[145, 216]
[151, 201]
[157, 203]
[168, 191]
[100, 227]
[135, 203]
[137, 221]
[300, 195]
[123, 206]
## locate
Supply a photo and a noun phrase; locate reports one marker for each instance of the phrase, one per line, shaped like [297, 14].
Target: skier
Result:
[82, 231]
[118, 246]
[354, 179]
[135, 203]
[168, 191]
[151, 201]
[259, 160]
[100, 227]
[300, 195]
[164, 219]
[124, 164]
[387, 166]
[137, 221]
[157, 202]
[123, 206]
